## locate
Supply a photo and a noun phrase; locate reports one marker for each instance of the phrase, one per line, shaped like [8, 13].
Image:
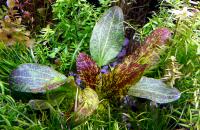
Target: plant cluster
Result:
[109, 70]
[34, 14]
[19, 16]
[11, 29]
[113, 85]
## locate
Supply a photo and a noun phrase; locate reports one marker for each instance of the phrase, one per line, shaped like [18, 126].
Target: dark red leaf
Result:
[88, 70]
[158, 37]
[148, 52]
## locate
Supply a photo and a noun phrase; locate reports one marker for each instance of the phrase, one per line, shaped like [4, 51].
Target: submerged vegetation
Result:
[68, 64]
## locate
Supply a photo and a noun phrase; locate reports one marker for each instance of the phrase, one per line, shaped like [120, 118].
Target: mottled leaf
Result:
[88, 102]
[107, 36]
[155, 90]
[158, 37]
[35, 78]
[88, 70]
[117, 82]
[149, 51]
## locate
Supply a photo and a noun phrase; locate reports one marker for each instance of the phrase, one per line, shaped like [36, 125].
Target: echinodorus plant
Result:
[114, 85]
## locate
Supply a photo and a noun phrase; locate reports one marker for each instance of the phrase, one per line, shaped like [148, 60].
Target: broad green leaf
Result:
[35, 78]
[155, 90]
[107, 36]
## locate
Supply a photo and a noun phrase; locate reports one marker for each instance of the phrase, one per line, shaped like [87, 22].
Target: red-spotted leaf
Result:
[117, 82]
[149, 51]
[158, 37]
[88, 102]
[88, 70]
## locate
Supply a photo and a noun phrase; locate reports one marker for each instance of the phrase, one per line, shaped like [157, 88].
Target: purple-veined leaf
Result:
[88, 70]
[35, 78]
[107, 36]
[155, 90]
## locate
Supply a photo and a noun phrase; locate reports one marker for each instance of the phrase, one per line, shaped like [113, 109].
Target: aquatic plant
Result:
[105, 46]
[11, 28]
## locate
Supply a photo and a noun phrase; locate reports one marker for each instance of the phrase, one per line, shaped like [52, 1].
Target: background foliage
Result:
[60, 43]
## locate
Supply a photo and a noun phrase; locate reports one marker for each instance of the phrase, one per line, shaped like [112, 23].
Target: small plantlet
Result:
[172, 72]
[11, 29]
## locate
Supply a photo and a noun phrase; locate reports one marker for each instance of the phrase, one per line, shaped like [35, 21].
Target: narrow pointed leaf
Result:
[107, 36]
[35, 78]
[117, 82]
[155, 90]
